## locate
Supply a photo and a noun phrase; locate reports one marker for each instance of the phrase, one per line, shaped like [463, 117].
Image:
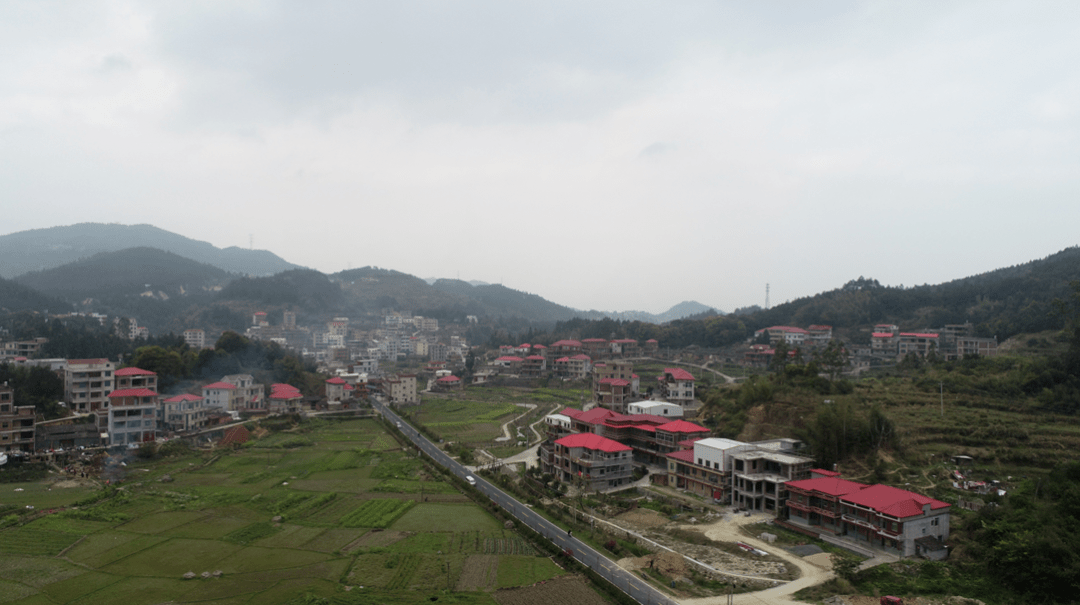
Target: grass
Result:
[526, 571]
[459, 517]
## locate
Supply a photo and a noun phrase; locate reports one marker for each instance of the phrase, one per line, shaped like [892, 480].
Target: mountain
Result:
[17, 297]
[146, 272]
[682, 310]
[40, 249]
[498, 300]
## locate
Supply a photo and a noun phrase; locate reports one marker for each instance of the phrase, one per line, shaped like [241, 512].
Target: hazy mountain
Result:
[17, 297]
[40, 249]
[682, 310]
[146, 272]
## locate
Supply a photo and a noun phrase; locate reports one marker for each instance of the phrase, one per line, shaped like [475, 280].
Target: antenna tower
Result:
[251, 241]
[766, 297]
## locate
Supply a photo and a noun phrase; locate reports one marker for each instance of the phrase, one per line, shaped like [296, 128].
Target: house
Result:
[249, 396]
[132, 416]
[448, 383]
[335, 389]
[703, 469]
[16, 423]
[284, 399]
[614, 394]
[195, 338]
[220, 395]
[791, 335]
[625, 347]
[615, 383]
[597, 462]
[136, 378]
[650, 437]
[919, 343]
[87, 384]
[183, 413]
[677, 386]
[564, 348]
[879, 516]
[401, 388]
[656, 408]
[534, 366]
[595, 348]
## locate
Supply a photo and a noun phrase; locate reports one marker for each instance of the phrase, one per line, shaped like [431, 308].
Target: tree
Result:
[834, 359]
[845, 567]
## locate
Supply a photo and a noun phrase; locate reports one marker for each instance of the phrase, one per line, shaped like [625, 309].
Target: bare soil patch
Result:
[375, 538]
[569, 589]
[644, 518]
[479, 573]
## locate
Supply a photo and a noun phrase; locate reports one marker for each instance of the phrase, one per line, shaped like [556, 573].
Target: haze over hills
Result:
[41, 249]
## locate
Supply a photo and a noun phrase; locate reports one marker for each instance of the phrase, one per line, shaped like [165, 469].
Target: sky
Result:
[604, 155]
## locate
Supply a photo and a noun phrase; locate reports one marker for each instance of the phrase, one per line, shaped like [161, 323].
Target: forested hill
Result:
[1000, 303]
[17, 297]
[41, 249]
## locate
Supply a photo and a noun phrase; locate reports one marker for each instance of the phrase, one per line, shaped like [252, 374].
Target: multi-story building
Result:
[135, 378]
[574, 368]
[760, 471]
[704, 470]
[656, 408]
[625, 347]
[22, 348]
[87, 384]
[183, 413]
[677, 386]
[337, 389]
[132, 416]
[533, 366]
[401, 388]
[595, 348]
[919, 343]
[564, 348]
[618, 394]
[16, 423]
[882, 517]
[221, 395]
[791, 335]
[650, 437]
[284, 399]
[249, 395]
[195, 338]
[614, 394]
[967, 346]
[594, 461]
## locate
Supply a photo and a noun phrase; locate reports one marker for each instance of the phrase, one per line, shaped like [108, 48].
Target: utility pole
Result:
[941, 385]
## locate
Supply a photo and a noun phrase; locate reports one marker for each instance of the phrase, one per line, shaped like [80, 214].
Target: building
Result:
[249, 396]
[594, 461]
[220, 395]
[918, 343]
[650, 437]
[564, 348]
[793, 336]
[967, 346]
[87, 384]
[16, 423]
[704, 470]
[401, 388]
[22, 348]
[614, 394]
[619, 393]
[677, 386]
[760, 471]
[573, 368]
[336, 390]
[132, 416]
[183, 413]
[879, 516]
[284, 399]
[533, 366]
[656, 408]
[195, 338]
[135, 378]
[447, 383]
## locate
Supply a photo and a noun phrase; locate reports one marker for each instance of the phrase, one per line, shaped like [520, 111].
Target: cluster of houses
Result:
[598, 449]
[887, 344]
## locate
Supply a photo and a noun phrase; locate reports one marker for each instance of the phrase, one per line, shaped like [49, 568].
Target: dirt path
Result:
[506, 425]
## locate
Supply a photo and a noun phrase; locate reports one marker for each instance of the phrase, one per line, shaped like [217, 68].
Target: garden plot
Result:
[41, 542]
[479, 572]
[460, 517]
[571, 589]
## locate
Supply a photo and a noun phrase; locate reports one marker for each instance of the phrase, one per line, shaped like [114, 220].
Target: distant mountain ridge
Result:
[42, 249]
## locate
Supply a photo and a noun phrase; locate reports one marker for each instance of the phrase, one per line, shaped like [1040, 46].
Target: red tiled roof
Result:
[592, 442]
[893, 501]
[509, 358]
[684, 455]
[689, 442]
[282, 386]
[652, 340]
[585, 340]
[582, 356]
[524, 346]
[881, 335]
[562, 360]
[682, 426]
[824, 473]
[86, 362]
[678, 374]
[832, 486]
[920, 334]
[787, 329]
[335, 380]
[535, 357]
[220, 385]
[184, 397]
[598, 415]
[539, 347]
[820, 327]
[572, 412]
[448, 379]
[132, 393]
[133, 371]
[618, 382]
[566, 343]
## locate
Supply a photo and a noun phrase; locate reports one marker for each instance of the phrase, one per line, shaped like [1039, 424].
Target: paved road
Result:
[629, 583]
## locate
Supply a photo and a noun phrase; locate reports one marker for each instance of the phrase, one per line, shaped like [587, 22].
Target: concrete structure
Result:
[249, 396]
[16, 423]
[284, 399]
[760, 471]
[401, 388]
[195, 338]
[132, 416]
[220, 395]
[87, 384]
[655, 408]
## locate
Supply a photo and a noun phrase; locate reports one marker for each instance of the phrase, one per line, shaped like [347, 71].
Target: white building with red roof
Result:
[220, 395]
[87, 384]
[594, 461]
[284, 399]
[879, 516]
[183, 413]
[676, 386]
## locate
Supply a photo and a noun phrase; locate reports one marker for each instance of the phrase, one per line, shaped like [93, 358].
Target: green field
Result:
[351, 514]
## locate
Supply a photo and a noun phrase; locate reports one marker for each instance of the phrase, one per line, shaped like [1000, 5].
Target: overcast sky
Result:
[607, 155]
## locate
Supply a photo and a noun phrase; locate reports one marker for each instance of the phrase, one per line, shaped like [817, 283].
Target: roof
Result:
[566, 343]
[592, 442]
[784, 329]
[132, 393]
[584, 340]
[509, 358]
[682, 426]
[133, 371]
[535, 357]
[617, 382]
[539, 347]
[86, 362]
[450, 378]
[335, 380]
[582, 356]
[893, 501]
[881, 335]
[920, 334]
[684, 455]
[562, 360]
[678, 374]
[220, 385]
[820, 327]
[184, 397]
[832, 486]
[824, 473]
